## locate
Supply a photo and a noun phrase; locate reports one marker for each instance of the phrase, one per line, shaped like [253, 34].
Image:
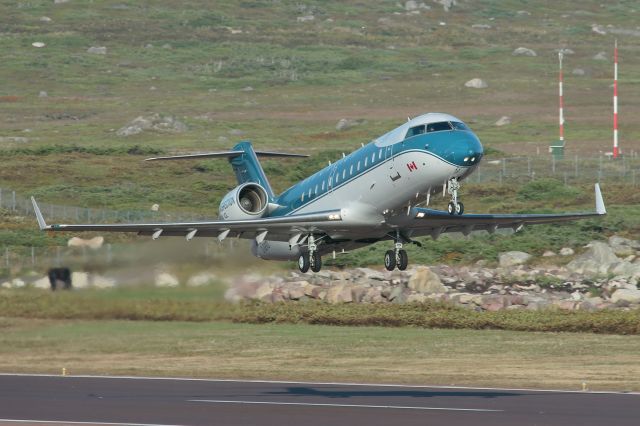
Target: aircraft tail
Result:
[243, 160]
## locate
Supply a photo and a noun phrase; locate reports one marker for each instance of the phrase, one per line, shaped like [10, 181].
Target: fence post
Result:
[33, 255]
[13, 202]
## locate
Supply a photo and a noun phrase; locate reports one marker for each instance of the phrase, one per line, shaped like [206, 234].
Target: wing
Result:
[286, 228]
[422, 221]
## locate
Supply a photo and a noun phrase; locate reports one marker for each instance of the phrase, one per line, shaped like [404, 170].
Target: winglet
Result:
[41, 223]
[600, 209]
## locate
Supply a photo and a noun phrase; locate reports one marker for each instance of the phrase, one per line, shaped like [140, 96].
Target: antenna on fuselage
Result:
[408, 118]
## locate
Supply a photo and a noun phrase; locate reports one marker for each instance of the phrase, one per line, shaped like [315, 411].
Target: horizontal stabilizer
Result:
[225, 154]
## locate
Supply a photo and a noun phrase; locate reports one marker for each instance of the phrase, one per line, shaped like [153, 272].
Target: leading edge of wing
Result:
[281, 221]
[442, 218]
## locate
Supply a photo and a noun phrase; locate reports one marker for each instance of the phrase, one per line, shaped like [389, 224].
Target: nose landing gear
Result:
[454, 206]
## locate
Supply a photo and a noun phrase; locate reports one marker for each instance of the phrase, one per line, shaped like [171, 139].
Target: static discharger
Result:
[261, 236]
[223, 235]
[157, 234]
[191, 234]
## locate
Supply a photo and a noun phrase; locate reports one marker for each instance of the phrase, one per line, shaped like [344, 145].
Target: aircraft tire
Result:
[451, 208]
[316, 262]
[303, 262]
[390, 260]
[403, 260]
[459, 208]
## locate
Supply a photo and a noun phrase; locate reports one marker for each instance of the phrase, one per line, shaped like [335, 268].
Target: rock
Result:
[38, 44]
[626, 269]
[578, 71]
[93, 243]
[339, 294]
[99, 281]
[476, 83]
[203, 278]
[481, 26]
[598, 29]
[307, 18]
[247, 89]
[523, 51]
[513, 258]
[156, 122]
[45, 19]
[626, 295]
[371, 274]
[548, 253]
[60, 1]
[264, 292]
[566, 51]
[358, 293]
[523, 13]
[42, 283]
[43, 94]
[503, 121]
[164, 279]
[397, 295]
[346, 124]
[494, 303]
[417, 298]
[80, 279]
[600, 56]
[166, 46]
[597, 260]
[426, 281]
[101, 50]
[623, 247]
[155, 207]
[566, 251]
[446, 4]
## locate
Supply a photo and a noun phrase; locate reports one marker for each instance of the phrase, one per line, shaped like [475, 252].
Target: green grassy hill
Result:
[282, 73]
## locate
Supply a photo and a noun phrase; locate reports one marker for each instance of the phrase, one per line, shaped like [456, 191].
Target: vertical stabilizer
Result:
[247, 167]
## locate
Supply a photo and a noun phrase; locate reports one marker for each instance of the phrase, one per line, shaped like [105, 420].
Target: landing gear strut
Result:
[398, 257]
[454, 207]
[310, 259]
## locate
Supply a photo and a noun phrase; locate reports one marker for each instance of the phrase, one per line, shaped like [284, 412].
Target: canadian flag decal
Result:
[412, 166]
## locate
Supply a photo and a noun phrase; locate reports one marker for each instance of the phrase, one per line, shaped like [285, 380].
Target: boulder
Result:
[626, 269]
[503, 121]
[102, 282]
[264, 292]
[339, 294]
[548, 253]
[93, 243]
[424, 280]
[566, 251]
[600, 56]
[597, 260]
[155, 122]
[42, 283]
[306, 18]
[578, 71]
[476, 83]
[165, 279]
[513, 258]
[598, 29]
[43, 94]
[80, 279]
[371, 274]
[97, 50]
[45, 19]
[200, 279]
[626, 295]
[523, 51]
[346, 123]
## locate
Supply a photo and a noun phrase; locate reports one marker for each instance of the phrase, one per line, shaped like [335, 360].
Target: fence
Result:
[570, 170]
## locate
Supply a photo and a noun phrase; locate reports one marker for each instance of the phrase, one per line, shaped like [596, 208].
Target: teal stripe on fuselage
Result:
[449, 146]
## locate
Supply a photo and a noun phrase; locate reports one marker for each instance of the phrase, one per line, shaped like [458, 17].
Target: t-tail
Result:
[244, 161]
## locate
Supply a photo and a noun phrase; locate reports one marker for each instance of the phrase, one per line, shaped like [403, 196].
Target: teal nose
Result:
[465, 149]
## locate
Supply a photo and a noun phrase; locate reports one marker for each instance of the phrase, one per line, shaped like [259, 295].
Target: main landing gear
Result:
[310, 259]
[454, 207]
[398, 257]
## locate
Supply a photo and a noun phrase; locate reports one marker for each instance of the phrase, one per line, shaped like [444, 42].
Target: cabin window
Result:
[351, 170]
[366, 160]
[302, 197]
[373, 157]
[358, 167]
[380, 155]
[460, 126]
[415, 131]
[315, 191]
[330, 182]
[322, 186]
[338, 177]
[438, 127]
[344, 173]
[309, 192]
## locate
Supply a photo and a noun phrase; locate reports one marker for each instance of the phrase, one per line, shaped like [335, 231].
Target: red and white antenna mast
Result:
[561, 112]
[615, 101]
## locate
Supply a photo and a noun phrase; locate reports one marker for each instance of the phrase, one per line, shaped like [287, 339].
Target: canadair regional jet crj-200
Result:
[367, 196]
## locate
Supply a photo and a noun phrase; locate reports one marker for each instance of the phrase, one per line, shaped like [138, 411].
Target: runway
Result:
[91, 400]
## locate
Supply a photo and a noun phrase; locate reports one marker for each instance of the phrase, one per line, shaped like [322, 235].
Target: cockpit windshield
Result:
[460, 126]
[438, 127]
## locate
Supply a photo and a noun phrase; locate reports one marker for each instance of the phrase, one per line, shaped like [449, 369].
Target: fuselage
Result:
[387, 175]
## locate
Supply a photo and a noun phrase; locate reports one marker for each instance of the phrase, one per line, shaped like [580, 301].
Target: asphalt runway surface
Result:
[90, 400]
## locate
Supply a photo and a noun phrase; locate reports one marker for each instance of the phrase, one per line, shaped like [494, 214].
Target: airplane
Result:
[370, 195]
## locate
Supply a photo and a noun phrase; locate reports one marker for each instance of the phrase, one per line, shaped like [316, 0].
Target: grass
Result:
[204, 304]
[321, 353]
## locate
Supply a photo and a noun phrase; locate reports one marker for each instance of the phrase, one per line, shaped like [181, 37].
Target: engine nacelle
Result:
[275, 250]
[246, 201]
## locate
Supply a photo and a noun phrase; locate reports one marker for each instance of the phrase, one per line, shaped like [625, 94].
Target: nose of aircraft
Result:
[465, 149]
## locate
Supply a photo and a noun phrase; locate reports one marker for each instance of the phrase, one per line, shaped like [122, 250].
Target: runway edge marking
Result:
[193, 379]
[318, 404]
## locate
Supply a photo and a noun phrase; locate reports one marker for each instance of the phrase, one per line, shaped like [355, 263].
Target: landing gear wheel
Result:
[451, 208]
[316, 262]
[459, 208]
[390, 260]
[303, 262]
[403, 260]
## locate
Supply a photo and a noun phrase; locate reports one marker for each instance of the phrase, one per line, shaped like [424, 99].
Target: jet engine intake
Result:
[246, 201]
